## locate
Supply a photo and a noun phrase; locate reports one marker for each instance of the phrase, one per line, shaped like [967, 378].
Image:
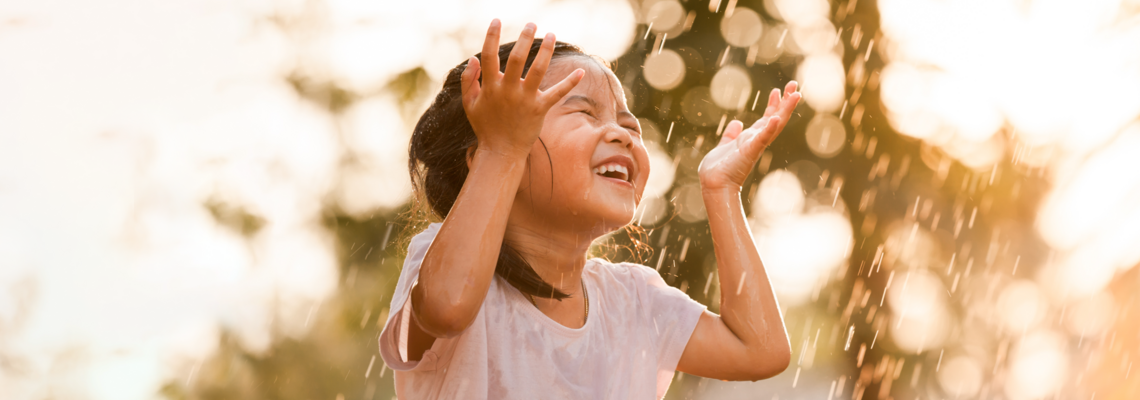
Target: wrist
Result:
[720, 191]
[729, 196]
[498, 155]
[500, 166]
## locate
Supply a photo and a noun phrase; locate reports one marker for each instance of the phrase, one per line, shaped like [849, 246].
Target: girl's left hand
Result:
[727, 165]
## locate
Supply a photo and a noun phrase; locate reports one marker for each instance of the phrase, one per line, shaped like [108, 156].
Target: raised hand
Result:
[748, 340]
[507, 111]
[727, 165]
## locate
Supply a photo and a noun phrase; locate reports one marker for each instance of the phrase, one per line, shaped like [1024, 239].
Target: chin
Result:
[605, 206]
[617, 220]
[612, 215]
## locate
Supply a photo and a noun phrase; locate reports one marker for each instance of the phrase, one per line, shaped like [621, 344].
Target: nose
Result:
[616, 133]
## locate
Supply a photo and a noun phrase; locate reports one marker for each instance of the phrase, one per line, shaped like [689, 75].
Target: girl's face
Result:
[589, 168]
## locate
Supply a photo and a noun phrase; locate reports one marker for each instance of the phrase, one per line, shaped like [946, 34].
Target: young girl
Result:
[527, 163]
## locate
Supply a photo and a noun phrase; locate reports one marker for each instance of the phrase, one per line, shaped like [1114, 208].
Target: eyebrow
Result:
[594, 104]
[581, 98]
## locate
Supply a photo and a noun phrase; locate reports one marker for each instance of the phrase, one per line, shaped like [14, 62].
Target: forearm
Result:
[458, 267]
[748, 305]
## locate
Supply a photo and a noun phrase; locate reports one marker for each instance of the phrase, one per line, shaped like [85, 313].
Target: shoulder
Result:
[628, 277]
[628, 271]
[426, 236]
[419, 244]
[640, 286]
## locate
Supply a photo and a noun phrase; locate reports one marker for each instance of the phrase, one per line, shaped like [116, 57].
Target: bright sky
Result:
[120, 118]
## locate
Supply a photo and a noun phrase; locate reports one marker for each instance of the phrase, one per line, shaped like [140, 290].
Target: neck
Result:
[557, 256]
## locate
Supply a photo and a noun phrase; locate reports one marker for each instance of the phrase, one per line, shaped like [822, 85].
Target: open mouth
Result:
[614, 171]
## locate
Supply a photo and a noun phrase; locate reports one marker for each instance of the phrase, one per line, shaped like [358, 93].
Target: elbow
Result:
[440, 320]
[441, 327]
[781, 361]
[771, 363]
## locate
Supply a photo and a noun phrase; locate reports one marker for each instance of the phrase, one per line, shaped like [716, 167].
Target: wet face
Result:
[589, 168]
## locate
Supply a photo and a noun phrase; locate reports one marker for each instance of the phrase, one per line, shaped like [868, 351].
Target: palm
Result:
[505, 109]
[727, 165]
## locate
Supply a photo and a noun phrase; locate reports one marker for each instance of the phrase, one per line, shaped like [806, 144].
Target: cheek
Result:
[571, 169]
[560, 165]
[641, 157]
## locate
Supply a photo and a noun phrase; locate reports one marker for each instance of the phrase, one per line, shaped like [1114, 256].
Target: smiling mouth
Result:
[613, 171]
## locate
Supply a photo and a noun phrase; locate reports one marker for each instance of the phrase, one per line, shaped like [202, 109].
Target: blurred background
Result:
[209, 199]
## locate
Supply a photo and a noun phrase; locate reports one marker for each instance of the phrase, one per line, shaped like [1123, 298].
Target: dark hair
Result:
[437, 162]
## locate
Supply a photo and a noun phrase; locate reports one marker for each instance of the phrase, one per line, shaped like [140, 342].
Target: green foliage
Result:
[331, 360]
[234, 217]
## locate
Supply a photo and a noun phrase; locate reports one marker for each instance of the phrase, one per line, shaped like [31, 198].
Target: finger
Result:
[541, 62]
[787, 107]
[519, 53]
[731, 132]
[559, 90]
[762, 139]
[773, 102]
[490, 55]
[791, 87]
[470, 82]
[789, 90]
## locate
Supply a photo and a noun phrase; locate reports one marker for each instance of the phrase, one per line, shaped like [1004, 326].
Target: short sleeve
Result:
[394, 338]
[674, 316]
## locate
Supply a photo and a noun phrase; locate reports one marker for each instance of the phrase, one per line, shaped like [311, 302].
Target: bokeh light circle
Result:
[664, 70]
[800, 11]
[807, 171]
[1037, 366]
[1091, 316]
[800, 250]
[699, 108]
[743, 28]
[731, 87]
[650, 211]
[770, 46]
[664, 16]
[980, 156]
[690, 203]
[661, 171]
[960, 376]
[905, 88]
[779, 193]
[826, 135]
[912, 245]
[1021, 306]
[822, 77]
[815, 37]
[919, 313]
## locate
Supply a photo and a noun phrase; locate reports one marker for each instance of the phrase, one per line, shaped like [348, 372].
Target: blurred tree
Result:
[981, 222]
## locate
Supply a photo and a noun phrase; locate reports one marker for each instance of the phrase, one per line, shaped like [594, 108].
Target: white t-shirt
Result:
[628, 349]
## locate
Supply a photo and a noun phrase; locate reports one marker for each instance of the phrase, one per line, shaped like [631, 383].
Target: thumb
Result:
[732, 131]
[469, 81]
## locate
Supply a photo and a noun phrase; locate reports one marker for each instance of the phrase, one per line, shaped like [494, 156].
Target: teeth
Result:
[612, 168]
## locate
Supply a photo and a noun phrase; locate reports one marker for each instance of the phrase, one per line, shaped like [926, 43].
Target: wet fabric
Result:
[628, 349]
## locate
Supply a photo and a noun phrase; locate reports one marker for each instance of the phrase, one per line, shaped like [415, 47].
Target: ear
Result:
[470, 155]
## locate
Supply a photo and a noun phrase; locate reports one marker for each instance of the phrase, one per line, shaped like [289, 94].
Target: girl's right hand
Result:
[507, 111]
